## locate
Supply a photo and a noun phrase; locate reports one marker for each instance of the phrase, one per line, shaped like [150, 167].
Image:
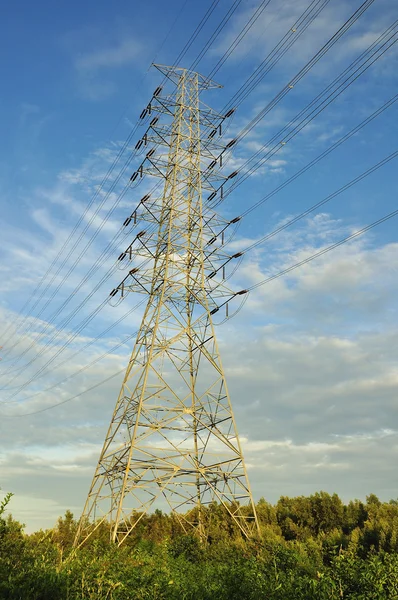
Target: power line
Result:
[125, 145]
[328, 198]
[323, 154]
[65, 244]
[325, 250]
[93, 387]
[348, 185]
[260, 283]
[67, 257]
[182, 53]
[274, 56]
[301, 120]
[364, 3]
[242, 34]
[308, 66]
[100, 260]
[85, 347]
[198, 29]
[48, 346]
[81, 327]
[216, 33]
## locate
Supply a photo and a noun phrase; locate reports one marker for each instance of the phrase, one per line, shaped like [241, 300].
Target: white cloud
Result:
[117, 55]
[97, 54]
[27, 110]
[278, 19]
[314, 393]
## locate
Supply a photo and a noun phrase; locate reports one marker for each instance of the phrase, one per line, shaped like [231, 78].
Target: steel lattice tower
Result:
[172, 434]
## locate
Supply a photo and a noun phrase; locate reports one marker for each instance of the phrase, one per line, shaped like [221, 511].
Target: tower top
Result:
[175, 73]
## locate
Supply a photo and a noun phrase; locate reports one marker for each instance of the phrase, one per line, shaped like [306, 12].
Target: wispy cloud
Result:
[122, 53]
[27, 110]
[97, 55]
[303, 393]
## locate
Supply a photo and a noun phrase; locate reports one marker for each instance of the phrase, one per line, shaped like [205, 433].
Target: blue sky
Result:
[314, 378]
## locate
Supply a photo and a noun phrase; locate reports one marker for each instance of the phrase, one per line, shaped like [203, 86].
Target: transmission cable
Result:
[331, 196]
[81, 327]
[308, 66]
[328, 198]
[368, 61]
[273, 57]
[93, 387]
[325, 250]
[93, 362]
[364, 3]
[260, 283]
[48, 346]
[325, 153]
[182, 53]
[64, 262]
[215, 33]
[125, 145]
[242, 34]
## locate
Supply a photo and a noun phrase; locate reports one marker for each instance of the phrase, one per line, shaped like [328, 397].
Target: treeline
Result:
[313, 547]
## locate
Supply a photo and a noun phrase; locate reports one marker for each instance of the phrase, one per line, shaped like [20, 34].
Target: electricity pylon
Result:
[173, 436]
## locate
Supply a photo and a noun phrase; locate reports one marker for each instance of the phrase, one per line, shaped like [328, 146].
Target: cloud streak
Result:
[118, 55]
[303, 393]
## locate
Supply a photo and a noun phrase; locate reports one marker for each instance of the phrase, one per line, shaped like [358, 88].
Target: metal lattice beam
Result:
[173, 434]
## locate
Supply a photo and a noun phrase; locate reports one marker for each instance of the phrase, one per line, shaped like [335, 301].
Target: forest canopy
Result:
[313, 547]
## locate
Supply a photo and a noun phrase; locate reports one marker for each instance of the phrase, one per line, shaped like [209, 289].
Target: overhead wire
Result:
[312, 257]
[138, 86]
[185, 48]
[323, 154]
[165, 40]
[216, 33]
[308, 14]
[198, 29]
[121, 151]
[293, 34]
[238, 39]
[45, 368]
[373, 53]
[86, 247]
[74, 312]
[308, 66]
[69, 238]
[328, 198]
[90, 364]
[331, 196]
[190, 43]
[277, 275]
[366, 3]
[93, 387]
[182, 53]
[41, 372]
[71, 295]
[97, 264]
[47, 347]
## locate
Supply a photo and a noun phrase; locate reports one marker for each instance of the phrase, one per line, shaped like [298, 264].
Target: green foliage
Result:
[5, 502]
[311, 548]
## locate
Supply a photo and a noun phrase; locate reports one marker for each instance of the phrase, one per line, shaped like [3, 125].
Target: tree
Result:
[5, 502]
[65, 531]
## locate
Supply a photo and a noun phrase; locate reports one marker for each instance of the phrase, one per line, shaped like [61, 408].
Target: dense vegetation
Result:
[312, 548]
